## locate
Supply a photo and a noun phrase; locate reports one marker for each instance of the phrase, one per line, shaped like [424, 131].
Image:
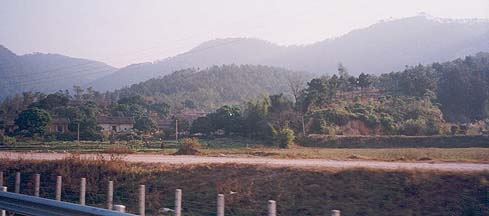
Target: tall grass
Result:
[247, 188]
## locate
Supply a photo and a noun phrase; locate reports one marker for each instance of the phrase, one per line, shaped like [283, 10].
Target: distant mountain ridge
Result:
[46, 72]
[383, 47]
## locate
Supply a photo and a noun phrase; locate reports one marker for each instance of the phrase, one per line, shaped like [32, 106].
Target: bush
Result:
[285, 138]
[119, 150]
[125, 136]
[413, 127]
[59, 137]
[432, 127]
[6, 140]
[387, 122]
[189, 146]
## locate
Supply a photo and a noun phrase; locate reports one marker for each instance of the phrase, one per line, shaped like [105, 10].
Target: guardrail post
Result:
[17, 182]
[335, 213]
[4, 189]
[59, 181]
[272, 208]
[178, 202]
[120, 208]
[110, 195]
[37, 184]
[220, 205]
[1, 179]
[83, 190]
[142, 191]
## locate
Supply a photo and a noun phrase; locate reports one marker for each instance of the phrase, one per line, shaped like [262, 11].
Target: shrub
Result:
[189, 146]
[6, 140]
[414, 127]
[285, 138]
[119, 150]
[388, 124]
[125, 136]
[433, 127]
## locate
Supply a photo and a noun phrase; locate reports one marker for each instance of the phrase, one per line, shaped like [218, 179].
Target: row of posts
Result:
[272, 205]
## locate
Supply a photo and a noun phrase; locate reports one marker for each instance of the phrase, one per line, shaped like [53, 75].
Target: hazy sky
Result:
[121, 32]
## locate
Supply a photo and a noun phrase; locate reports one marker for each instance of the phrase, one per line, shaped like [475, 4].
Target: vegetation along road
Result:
[316, 163]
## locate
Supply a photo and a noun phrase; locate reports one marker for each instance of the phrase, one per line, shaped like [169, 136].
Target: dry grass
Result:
[119, 150]
[297, 191]
[390, 154]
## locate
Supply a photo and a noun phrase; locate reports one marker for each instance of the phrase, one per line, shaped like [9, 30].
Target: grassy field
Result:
[356, 192]
[250, 148]
[404, 154]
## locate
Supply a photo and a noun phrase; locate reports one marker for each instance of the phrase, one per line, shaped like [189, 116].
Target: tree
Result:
[344, 84]
[52, 100]
[296, 86]
[145, 124]
[78, 92]
[227, 118]
[33, 121]
[364, 81]
[162, 109]
[202, 125]
[189, 104]
[285, 138]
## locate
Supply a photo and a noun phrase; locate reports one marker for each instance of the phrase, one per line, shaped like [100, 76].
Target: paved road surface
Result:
[321, 163]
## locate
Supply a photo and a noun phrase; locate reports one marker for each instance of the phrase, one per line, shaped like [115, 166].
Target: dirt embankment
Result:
[248, 187]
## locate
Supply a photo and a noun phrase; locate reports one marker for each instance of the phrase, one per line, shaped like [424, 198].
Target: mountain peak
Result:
[5, 52]
[241, 41]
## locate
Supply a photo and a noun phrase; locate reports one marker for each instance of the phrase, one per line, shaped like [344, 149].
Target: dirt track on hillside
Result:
[318, 163]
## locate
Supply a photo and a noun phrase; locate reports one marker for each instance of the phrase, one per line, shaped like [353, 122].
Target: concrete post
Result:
[110, 195]
[3, 212]
[83, 190]
[37, 184]
[1, 179]
[120, 208]
[220, 205]
[142, 200]
[178, 202]
[335, 213]
[17, 182]
[59, 180]
[272, 208]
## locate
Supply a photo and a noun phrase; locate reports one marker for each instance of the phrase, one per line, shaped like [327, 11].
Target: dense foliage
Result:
[276, 105]
[215, 86]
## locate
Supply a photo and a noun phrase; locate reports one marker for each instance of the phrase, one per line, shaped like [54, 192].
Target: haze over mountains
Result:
[46, 72]
[383, 47]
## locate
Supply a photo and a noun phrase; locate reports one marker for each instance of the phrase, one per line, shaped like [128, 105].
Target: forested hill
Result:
[381, 48]
[216, 86]
[45, 72]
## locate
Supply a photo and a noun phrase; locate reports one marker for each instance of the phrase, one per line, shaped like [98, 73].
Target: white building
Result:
[115, 124]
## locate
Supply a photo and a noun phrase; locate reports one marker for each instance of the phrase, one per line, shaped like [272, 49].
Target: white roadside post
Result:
[37, 184]
[220, 205]
[59, 181]
[83, 190]
[110, 195]
[178, 202]
[272, 208]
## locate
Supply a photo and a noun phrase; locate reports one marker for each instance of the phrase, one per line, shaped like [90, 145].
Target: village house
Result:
[164, 124]
[59, 125]
[111, 124]
[191, 115]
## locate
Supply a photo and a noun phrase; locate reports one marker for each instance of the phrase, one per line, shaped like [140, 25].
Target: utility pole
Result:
[78, 133]
[303, 127]
[176, 129]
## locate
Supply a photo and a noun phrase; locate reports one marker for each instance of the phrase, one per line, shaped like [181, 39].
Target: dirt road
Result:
[321, 163]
